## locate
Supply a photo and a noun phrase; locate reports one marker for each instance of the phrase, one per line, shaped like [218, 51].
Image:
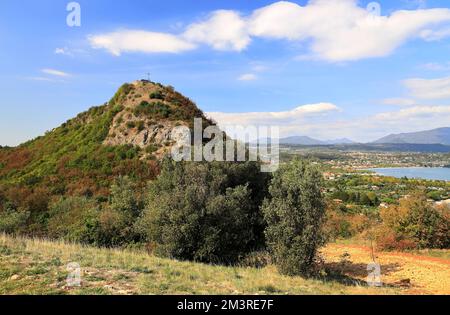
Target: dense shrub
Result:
[387, 239]
[118, 218]
[74, 219]
[362, 198]
[155, 109]
[414, 222]
[84, 220]
[157, 95]
[205, 212]
[12, 220]
[140, 125]
[27, 207]
[340, 224]
[294, 213]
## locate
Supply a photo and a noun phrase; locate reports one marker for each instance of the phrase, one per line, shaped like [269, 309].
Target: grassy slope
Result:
[69, 154]
[39, 267]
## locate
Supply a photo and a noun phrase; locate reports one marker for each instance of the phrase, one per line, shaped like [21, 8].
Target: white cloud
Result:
[373, 127]
[223, 30]
[61, 51]
[340, 30]
[399, 101]
[54, 72]
[429, 88]
[139, 41]
[67, 51]
[337, 30]
[409, 119]
[320, 121]
[435, 35]
[418, 112]
[248, 77]
[294, 116]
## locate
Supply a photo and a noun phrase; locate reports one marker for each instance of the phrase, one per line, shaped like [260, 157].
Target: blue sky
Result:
[322, 68]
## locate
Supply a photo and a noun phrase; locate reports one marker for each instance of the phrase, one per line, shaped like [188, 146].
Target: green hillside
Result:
[74, 159]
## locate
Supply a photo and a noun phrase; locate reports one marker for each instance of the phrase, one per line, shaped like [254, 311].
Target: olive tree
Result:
[206, 212]
[294, 213]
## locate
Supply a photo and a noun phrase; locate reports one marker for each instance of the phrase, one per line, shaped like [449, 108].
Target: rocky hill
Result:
[125, 136]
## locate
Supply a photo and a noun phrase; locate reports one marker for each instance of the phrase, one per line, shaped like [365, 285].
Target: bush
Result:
[205, 212]
[415, 222]
[151, 148]
[157, 95]
[140, 125]
[388, 240]
[74, 219]
[340, 224]
[294, 213]
[117, 220]
[155, 109]
[12, 220]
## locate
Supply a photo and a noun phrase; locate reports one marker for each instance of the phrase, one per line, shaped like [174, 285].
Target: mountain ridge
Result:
[433, 136]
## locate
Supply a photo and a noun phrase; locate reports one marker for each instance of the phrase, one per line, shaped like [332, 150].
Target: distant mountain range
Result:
[435, 136]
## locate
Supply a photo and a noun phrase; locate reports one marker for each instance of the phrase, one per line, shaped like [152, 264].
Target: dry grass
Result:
[33, 266]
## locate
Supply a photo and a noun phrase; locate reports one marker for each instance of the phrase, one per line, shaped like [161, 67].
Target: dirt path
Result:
[415, 273]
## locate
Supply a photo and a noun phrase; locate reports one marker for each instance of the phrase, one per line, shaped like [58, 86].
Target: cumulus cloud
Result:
[293, 116]
[139, 41]
[429, 88]
[369, 128]
[414, 112]
[223, 30]
[337, 30]
[409, 119]
[340, 30]
[320, 121]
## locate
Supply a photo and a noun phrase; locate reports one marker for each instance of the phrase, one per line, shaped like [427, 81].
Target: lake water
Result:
[434, 173]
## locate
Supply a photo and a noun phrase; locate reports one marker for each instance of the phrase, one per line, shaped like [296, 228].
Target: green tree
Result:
[74, 219]
[206, 212]
[12, 220]
[118, 218]
[416, 220]
[295, 212]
